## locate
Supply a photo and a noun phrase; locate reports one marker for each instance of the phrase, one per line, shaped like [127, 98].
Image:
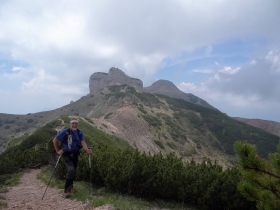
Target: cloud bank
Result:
[226, 52]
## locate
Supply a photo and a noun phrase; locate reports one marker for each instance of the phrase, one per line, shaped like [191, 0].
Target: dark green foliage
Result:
[260, 177]
[19, 155]
[94, 136]
[117, 166]
[116, 94]
[203, 185]
[153, 121]
[224, 128]
[171, 145]
[147, 97]
[89, 120]
[30, 121]
[159, 143]
[22, 150]
[108, 115]
[9, 121]
[117, 88]
[141, 109]
[130, 89]
[174, 128]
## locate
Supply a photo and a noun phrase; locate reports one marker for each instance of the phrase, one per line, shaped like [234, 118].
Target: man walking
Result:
[71, 139]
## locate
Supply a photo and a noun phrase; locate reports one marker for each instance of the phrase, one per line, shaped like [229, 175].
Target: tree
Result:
[260, 180]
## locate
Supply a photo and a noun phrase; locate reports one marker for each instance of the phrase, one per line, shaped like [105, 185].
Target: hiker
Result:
[71, 139]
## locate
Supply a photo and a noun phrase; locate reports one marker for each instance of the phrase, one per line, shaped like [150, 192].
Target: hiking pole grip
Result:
[52, 175]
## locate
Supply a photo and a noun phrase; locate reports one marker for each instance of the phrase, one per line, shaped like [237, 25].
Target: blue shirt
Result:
[76, 139]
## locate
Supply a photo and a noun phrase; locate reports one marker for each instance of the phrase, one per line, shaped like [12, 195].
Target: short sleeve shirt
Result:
[76, 138]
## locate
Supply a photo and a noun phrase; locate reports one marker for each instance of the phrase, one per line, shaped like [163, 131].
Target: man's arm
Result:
[56, 147]
[85, 147]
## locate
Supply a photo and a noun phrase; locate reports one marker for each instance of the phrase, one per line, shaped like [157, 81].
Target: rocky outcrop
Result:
[166, 87]
[98, 81]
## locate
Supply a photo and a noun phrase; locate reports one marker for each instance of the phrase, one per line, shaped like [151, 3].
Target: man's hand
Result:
[88, 151]
[60, 152]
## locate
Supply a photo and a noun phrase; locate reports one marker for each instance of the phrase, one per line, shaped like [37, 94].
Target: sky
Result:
[223, 51]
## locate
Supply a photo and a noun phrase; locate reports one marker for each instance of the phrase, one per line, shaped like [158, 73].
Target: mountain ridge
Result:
[150, 122]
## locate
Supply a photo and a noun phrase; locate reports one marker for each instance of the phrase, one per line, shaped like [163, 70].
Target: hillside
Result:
[267, 125]
[167, 88]
[150, 122]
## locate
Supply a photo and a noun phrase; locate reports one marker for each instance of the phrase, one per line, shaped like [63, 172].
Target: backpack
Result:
[66, 137]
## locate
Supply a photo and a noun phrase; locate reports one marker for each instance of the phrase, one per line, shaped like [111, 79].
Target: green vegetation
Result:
[159, 144]
[38, 148]
[98, 195]
[124, 172]
[8, 181]
[147, 97]
[89, 120]
[225, 129]
[153, 121]
[260, 177]
[177, 133]
[117, 88]
[119, 91]
[108, 115]
[128, 172]
[141, 109]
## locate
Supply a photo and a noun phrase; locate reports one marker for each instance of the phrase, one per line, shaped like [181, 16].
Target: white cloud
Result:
[274, 58]
[52, 49]
[217, 77]
[187, 87]
[18, 68]
[253, 62]
[204, 71]
[229, 70]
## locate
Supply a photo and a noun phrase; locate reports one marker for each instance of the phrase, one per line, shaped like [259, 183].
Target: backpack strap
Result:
[67, 134]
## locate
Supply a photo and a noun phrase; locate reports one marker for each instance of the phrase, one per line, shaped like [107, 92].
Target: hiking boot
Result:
[67, 194]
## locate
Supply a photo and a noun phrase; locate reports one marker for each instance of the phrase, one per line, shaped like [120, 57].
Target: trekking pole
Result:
[52, 175]
[89, 163]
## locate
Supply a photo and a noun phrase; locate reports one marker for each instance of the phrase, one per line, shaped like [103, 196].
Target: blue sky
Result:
[225, 52]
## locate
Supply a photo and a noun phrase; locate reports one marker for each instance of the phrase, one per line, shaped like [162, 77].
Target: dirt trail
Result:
[28, 195]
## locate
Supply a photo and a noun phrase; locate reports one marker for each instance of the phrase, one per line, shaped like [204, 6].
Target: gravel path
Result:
[28, 195]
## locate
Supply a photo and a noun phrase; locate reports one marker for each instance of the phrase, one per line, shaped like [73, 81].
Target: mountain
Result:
[99, 80]
[267, 125]
[166, 87]
[149, 120]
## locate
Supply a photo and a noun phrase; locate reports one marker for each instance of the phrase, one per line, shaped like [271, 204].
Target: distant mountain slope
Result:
[150, 122]
[167, 88]
[269, 126]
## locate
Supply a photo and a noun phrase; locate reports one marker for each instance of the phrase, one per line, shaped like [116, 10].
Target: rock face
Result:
[98, 81]
[166, 87]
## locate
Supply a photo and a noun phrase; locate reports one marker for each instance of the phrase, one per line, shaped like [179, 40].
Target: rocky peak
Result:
[166, 87]
[99, 80]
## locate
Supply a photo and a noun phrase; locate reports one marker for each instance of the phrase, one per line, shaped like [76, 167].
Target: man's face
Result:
[74, 125]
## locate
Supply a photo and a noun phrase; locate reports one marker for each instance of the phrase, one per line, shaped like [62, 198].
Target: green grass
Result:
[12, 181]
[98, 196]
[3, 204]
